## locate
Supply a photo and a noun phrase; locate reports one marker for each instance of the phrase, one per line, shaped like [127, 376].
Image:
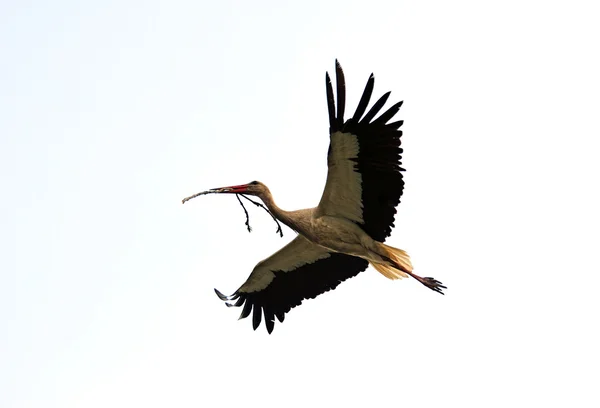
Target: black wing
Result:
[364, 180]
[300, 270]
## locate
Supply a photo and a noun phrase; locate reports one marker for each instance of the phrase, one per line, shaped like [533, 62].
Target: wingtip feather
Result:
[330, 102]
[221, 296]
[341, 94]
[364, 99]
[256, 317]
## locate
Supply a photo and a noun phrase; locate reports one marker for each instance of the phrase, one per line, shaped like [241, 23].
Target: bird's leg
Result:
[431, 283]
[399, 259]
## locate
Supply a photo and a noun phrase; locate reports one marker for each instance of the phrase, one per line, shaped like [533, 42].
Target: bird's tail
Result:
[399, 266]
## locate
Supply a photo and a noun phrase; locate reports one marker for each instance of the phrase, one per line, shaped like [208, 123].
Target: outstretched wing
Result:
[300, 270]
[364, 180]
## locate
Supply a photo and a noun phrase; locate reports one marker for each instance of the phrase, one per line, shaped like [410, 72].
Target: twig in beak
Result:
[213, 191]
[221, 190]
[279, 230]
[245, 211]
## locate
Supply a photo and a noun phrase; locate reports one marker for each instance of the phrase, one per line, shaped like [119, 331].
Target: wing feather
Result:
[376, 108]
[341, 93]
[364, 100]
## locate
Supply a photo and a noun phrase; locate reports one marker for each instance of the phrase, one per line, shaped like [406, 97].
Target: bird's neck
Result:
[284, 216]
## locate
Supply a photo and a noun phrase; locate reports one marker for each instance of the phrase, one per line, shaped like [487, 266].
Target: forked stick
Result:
[220, 190]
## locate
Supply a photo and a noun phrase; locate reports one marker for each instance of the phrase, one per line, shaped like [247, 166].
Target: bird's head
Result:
[255, 188]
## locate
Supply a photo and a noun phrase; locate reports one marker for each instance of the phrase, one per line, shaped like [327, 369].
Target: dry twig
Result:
[216, 191]
[279, 230]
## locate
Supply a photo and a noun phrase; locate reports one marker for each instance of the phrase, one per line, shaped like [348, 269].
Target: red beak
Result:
[241, 189]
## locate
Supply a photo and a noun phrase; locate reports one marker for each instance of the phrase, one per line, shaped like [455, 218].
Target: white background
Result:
[112, 112]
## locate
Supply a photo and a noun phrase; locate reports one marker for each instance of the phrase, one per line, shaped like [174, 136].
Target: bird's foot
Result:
[432, 284]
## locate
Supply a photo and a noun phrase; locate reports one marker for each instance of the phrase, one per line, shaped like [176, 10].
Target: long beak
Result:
[241, 189]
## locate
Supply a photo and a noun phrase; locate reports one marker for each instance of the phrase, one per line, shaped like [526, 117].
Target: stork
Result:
[345, 233]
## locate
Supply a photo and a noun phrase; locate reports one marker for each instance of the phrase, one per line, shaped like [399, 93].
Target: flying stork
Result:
[345, 233]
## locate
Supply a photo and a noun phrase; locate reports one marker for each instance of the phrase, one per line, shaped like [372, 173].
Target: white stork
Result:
[344, 234]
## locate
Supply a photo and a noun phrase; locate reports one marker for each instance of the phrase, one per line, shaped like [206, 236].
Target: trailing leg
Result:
[399, 266]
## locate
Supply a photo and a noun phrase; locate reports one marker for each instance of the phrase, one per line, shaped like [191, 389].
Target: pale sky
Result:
[112, 112]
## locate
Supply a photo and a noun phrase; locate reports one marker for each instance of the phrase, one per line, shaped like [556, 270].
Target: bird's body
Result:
[344, 234]
[330, 232]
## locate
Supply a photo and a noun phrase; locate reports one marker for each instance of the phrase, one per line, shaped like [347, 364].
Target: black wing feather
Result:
[280, 316]
[395, 125]
[388, 114]
[256, 316]
[364, 100]
[330, 104]
[246, 310]
[269, 318]
[341, 94]
[376, 108]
